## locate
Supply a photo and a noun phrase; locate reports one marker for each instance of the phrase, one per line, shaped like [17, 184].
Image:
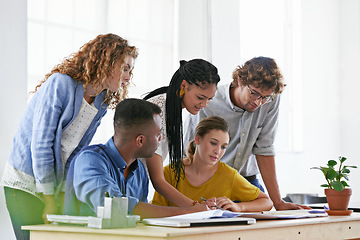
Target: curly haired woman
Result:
[61, 118]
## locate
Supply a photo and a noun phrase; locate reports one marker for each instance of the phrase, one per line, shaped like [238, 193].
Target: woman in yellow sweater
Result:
[207, 177]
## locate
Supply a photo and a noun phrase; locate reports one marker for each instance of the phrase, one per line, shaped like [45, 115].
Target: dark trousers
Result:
[256, 183]
[24, 209]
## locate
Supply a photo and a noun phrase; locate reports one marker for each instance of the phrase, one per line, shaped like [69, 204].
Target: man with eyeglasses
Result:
[250, 105]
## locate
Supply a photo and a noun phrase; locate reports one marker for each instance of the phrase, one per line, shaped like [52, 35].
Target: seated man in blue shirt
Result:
[115, 168]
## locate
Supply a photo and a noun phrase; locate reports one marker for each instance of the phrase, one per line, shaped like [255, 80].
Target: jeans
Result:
[24, 209]
[256, 183]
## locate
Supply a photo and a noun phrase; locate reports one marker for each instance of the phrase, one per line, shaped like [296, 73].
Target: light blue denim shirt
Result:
[251, 133]
[98, 169]
[36, 148]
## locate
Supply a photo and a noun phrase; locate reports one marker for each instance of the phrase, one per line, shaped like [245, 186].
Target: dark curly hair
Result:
[196, 72]
[261, 72]
[94, 62]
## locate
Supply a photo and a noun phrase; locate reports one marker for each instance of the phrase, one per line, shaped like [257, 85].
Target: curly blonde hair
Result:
[94, 63]
[261, 72]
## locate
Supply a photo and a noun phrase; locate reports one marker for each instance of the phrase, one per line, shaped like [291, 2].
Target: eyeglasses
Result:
[256, 96]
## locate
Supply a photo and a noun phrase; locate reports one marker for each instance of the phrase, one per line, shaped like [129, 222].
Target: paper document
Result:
[208, 214]
[288, 214]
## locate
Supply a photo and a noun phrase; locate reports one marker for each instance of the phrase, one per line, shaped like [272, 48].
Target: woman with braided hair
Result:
[191, 87]
[61, 118]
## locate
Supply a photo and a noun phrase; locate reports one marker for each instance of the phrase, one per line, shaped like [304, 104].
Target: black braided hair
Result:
[197, 72]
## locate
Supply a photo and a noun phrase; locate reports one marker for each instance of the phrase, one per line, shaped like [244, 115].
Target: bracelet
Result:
[195, 203]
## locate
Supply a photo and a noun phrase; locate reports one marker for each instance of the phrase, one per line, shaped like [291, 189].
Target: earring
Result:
[182, 92]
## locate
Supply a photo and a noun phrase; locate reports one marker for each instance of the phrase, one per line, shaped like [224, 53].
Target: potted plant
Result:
[337, 191]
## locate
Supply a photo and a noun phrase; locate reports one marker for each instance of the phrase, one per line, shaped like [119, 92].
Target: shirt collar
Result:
[228, 99]
[117, 158]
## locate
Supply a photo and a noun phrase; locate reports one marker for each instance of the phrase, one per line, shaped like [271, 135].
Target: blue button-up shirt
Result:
[98, 169]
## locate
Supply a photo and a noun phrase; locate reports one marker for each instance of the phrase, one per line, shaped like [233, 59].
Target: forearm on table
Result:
[257, 205]
[261, 203]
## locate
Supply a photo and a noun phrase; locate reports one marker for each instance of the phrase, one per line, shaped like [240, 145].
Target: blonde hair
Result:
[94, 63]
[203, 128]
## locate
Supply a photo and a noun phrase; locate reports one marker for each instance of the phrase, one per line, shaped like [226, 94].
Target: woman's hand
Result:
[227, 204]
[201, 207]
[290, 206]
[210, 203]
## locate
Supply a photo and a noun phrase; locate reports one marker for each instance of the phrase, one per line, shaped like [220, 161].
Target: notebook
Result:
[178, 222]
[207, 218]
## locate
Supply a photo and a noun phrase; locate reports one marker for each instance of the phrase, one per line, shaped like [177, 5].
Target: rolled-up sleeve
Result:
[264, 144]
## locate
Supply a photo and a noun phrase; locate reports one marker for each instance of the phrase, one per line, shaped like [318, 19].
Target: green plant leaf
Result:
[331, 163]
[338, 186]
[334, 176]
[350, 166]
[342, 159]
[345, 184]
[324, 170]
[331, 174]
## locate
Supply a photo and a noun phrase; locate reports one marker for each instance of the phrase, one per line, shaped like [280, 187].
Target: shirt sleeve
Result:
[51, 99]
[243, 190]
[264, 143]
[92, 179]
[132, 201]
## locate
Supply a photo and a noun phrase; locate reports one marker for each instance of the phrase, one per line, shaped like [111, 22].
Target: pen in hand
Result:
[214, 204]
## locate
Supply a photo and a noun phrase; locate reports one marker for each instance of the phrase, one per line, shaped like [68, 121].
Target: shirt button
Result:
[243, 134]
[239, 153]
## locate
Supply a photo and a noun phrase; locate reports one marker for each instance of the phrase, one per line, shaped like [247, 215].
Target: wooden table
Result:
[332, 227]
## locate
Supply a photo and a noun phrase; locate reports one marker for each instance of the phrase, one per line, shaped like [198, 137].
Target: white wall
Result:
[13, 79]
[330, 53]
[223, 39]
[349, 83]
[191, 36]
[320, 51]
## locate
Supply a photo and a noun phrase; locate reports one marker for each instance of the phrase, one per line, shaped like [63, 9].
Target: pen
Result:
[215, 204]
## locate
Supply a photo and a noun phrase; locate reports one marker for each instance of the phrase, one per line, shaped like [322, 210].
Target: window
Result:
[272, 30]
[57, 28]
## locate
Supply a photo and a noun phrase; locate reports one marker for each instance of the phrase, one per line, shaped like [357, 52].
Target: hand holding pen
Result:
[204, 199]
